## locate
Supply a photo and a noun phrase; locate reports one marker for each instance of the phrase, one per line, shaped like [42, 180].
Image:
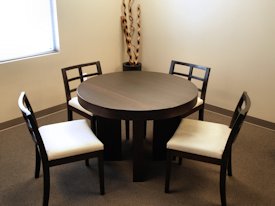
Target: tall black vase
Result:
[131, 67]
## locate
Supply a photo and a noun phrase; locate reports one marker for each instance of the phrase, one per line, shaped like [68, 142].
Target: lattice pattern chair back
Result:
[74, 75]
[199, 75]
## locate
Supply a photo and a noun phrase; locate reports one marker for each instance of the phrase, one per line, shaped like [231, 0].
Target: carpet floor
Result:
[192, 183]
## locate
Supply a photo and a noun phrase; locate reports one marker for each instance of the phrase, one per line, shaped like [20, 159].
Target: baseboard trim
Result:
[19, 120]
[250, 119]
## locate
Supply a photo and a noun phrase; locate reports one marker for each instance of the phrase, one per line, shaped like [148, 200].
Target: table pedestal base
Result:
[138, 150]
[109, 132]
[163, 130]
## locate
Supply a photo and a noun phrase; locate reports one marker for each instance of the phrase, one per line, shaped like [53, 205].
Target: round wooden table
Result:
[137, 96]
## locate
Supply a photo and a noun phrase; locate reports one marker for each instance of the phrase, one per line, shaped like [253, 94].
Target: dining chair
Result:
[208, 142]
[61, 143]
[72, 77]
[199, 75]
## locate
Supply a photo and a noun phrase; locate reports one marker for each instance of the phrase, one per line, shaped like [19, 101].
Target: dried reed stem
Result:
[132, 50]
[126, 32]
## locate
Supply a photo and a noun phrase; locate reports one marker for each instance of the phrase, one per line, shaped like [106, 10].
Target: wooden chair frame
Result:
[226, 161]
[41, 154]
[190, 76]
[81, 77]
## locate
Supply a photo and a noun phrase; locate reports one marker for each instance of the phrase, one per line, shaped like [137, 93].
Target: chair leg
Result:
[168, 171]
[127, 127]
[87, 162]
[180, 160]
[37, 163]
[230, 163]
[145, 128]
[101, 173]
[93, 125]
[201, 114]
[223, 183]
[70, 114]
[46, 179]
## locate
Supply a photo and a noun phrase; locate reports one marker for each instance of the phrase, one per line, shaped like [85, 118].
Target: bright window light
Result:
[28, 28]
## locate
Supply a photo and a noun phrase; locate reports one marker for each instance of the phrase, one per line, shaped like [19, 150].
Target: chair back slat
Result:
[89, 75]
[196, 77]
[180, 74]
[74, 75]
[190, 74]
[73, 90]
[73, 79]
[238, 118]
[31, 122]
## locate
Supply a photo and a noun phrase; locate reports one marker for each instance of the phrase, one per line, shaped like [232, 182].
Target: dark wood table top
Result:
[137, 95]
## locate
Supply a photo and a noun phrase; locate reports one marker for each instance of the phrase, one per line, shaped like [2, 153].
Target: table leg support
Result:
[163, 130]
[109, 132]
[138, 151]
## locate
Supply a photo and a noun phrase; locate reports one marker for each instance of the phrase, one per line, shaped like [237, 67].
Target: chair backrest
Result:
[238, 118]
[74, 75]
[28, 115]
[194, 73]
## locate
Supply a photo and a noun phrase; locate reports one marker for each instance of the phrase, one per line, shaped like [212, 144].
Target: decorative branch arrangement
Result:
[127, 22]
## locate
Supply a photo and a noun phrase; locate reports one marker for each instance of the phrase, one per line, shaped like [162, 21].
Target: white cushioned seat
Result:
[68, 139]
[74, 103]
[199, 102]
[200, 137]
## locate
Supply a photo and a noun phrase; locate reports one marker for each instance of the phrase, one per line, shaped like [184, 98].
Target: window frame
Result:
[53, 37]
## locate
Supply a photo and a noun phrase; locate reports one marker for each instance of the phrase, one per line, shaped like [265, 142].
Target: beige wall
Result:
[235, 38]
[88, 32]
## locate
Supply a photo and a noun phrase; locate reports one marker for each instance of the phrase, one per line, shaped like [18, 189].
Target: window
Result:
[28, 28]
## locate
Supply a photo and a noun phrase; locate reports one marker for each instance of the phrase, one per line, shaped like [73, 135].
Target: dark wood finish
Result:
[138, 154]
[130, 67]
[192, 75]
[137, 96]
[162, 131]
[225, 163]
[127, 127]
[41, 154]
[109, 133]
[72, 77]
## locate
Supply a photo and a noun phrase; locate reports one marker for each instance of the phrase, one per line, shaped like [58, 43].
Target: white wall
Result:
[235, 38]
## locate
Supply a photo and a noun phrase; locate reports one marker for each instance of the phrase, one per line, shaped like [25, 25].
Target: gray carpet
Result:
[192, 183]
